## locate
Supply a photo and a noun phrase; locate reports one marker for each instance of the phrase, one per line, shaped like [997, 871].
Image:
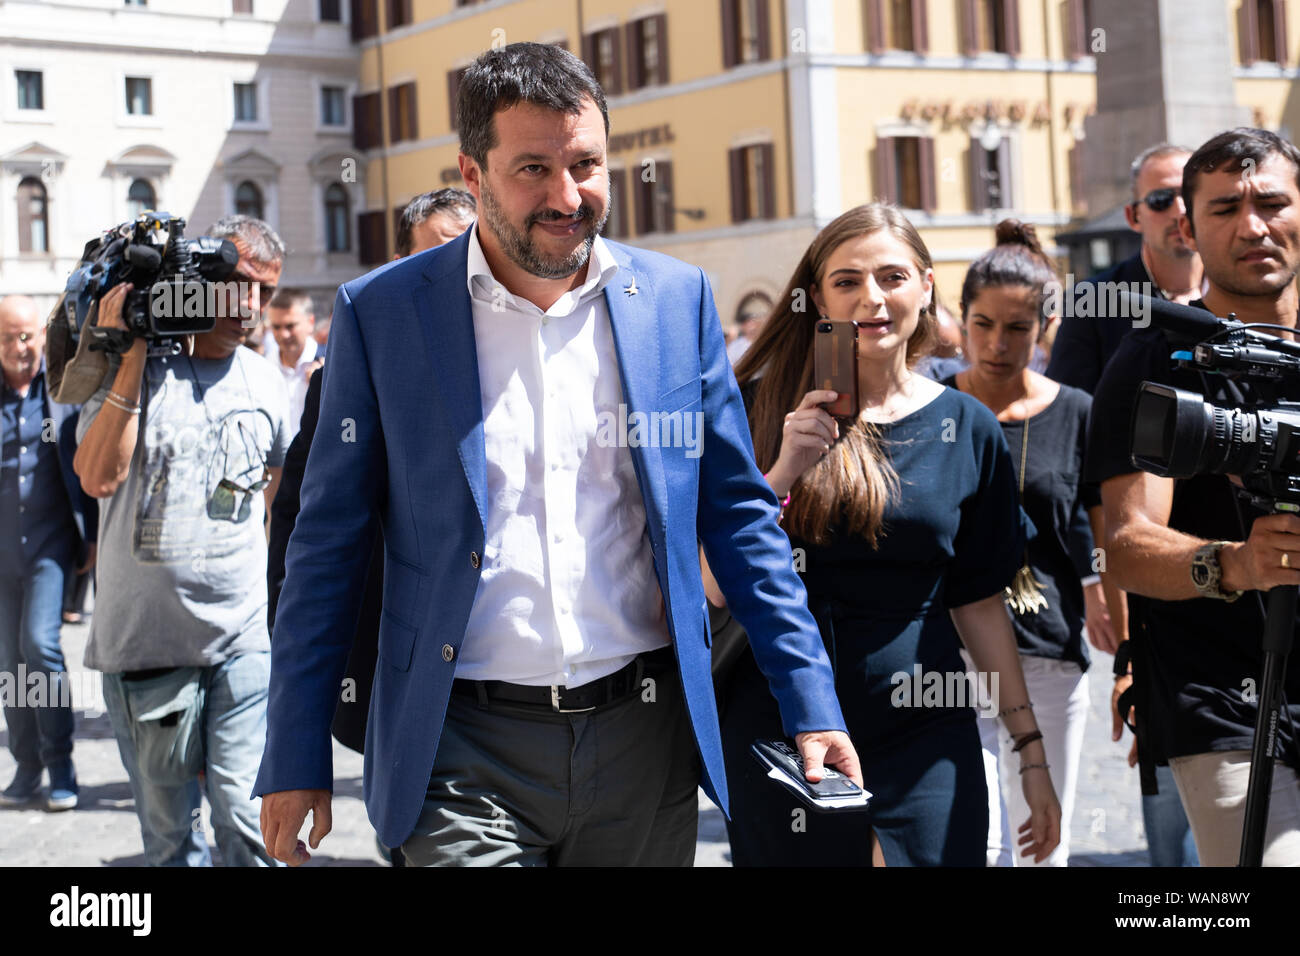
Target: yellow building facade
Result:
[761, 120]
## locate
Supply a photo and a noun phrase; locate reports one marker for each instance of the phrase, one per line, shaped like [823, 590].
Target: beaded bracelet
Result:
[1034, 766]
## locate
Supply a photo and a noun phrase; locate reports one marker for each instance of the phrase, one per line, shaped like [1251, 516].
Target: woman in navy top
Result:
[906, 531]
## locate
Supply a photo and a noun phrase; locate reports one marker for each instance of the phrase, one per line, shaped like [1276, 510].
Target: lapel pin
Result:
[631, 288]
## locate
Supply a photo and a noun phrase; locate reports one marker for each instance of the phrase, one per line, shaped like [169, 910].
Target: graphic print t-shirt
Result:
[182, 549]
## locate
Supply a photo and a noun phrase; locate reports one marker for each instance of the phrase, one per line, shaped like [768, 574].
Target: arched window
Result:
[140, 198]
[248, 200]
[337, 217]
[33, 216]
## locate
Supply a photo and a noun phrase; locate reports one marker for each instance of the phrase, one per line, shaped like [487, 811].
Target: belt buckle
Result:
[555, 703]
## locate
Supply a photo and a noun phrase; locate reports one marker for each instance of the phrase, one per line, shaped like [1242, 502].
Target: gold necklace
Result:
[1025, 594]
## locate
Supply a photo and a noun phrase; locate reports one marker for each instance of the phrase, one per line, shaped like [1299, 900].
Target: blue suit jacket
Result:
[400, 441]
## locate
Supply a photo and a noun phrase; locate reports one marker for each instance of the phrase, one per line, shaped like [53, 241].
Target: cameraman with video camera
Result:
[182, 450]
[1188, 550]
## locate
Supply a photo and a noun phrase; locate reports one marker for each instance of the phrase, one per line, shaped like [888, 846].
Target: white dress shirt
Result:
[295, 379]
[568, 591]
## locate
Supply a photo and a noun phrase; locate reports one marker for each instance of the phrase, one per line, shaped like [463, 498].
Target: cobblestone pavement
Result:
[103, 831]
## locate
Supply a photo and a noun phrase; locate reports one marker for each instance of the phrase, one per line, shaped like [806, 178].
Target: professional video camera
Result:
[1177, 434]
[178, 291]
[171, 275]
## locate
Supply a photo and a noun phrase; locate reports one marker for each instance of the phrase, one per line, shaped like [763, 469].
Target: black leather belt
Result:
[606, 690]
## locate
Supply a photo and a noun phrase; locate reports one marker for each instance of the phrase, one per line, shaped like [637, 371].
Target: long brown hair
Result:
[853, 483]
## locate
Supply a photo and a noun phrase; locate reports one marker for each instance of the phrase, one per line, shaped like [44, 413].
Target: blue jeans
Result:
[1169, 837]
[192, 719]
[31, 607]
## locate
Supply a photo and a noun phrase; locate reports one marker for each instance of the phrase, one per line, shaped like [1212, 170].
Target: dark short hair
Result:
[287, 297]
[264, 246]
[456, 203]
[1159, 151]
[1231, 150]
[539, 73]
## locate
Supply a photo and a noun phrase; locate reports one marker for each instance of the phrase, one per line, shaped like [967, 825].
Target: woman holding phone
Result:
[1046, 427]
[906, 532]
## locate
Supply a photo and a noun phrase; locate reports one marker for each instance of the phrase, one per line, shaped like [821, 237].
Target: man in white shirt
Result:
[543, 694]
[293, 319]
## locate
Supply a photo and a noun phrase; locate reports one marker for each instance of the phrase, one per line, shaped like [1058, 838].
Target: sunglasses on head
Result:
[1158, 200]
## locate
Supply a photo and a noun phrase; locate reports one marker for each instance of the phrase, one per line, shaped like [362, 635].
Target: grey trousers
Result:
[515, 786]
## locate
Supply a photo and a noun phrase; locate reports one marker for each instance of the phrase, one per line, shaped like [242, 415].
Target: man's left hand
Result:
[92, 549]
[820, 747]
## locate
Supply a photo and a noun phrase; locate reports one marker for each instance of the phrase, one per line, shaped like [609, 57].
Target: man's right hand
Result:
[283, 813]
[110, 317]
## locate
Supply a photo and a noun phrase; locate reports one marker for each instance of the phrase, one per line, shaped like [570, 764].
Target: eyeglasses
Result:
[8, 340]
[1158, 200]
[224, 505]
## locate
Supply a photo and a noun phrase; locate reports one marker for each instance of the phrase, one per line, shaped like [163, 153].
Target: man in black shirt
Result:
[1200, 642]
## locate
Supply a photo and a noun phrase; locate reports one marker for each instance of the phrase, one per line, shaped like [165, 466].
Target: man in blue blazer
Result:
[547, 428]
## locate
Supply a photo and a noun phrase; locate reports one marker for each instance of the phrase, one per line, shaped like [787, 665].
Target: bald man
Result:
[47, 527]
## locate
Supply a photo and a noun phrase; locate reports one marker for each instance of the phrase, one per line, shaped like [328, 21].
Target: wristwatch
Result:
[1207, 575]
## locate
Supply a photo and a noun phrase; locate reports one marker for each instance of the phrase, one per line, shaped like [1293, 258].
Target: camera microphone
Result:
[1183, 322]
[143, 257]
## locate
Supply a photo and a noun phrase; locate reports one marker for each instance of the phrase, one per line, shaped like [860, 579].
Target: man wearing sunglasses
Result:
[185, 454]
[1165, 266]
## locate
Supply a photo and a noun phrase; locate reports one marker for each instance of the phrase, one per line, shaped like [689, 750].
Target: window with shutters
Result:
[330, 11]
[367, 130]
[140, 198]
[248, 200]
[139, 96]
[1261, 25]
[245, 102]
[616, 226]
[896, 25]
[365, 19]
[904, 171]
[746, 32]
[372, 238]
[399, 13]
[990, 26]
[603, 53]
[33, 216]
[653, 187]
[338, 236]
[647, 47]
[401, 113]
[31, 89]
[453, 94]
[990, 176]
[753, 183]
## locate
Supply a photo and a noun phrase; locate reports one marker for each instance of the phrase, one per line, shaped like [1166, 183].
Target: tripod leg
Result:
[1279, 632]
